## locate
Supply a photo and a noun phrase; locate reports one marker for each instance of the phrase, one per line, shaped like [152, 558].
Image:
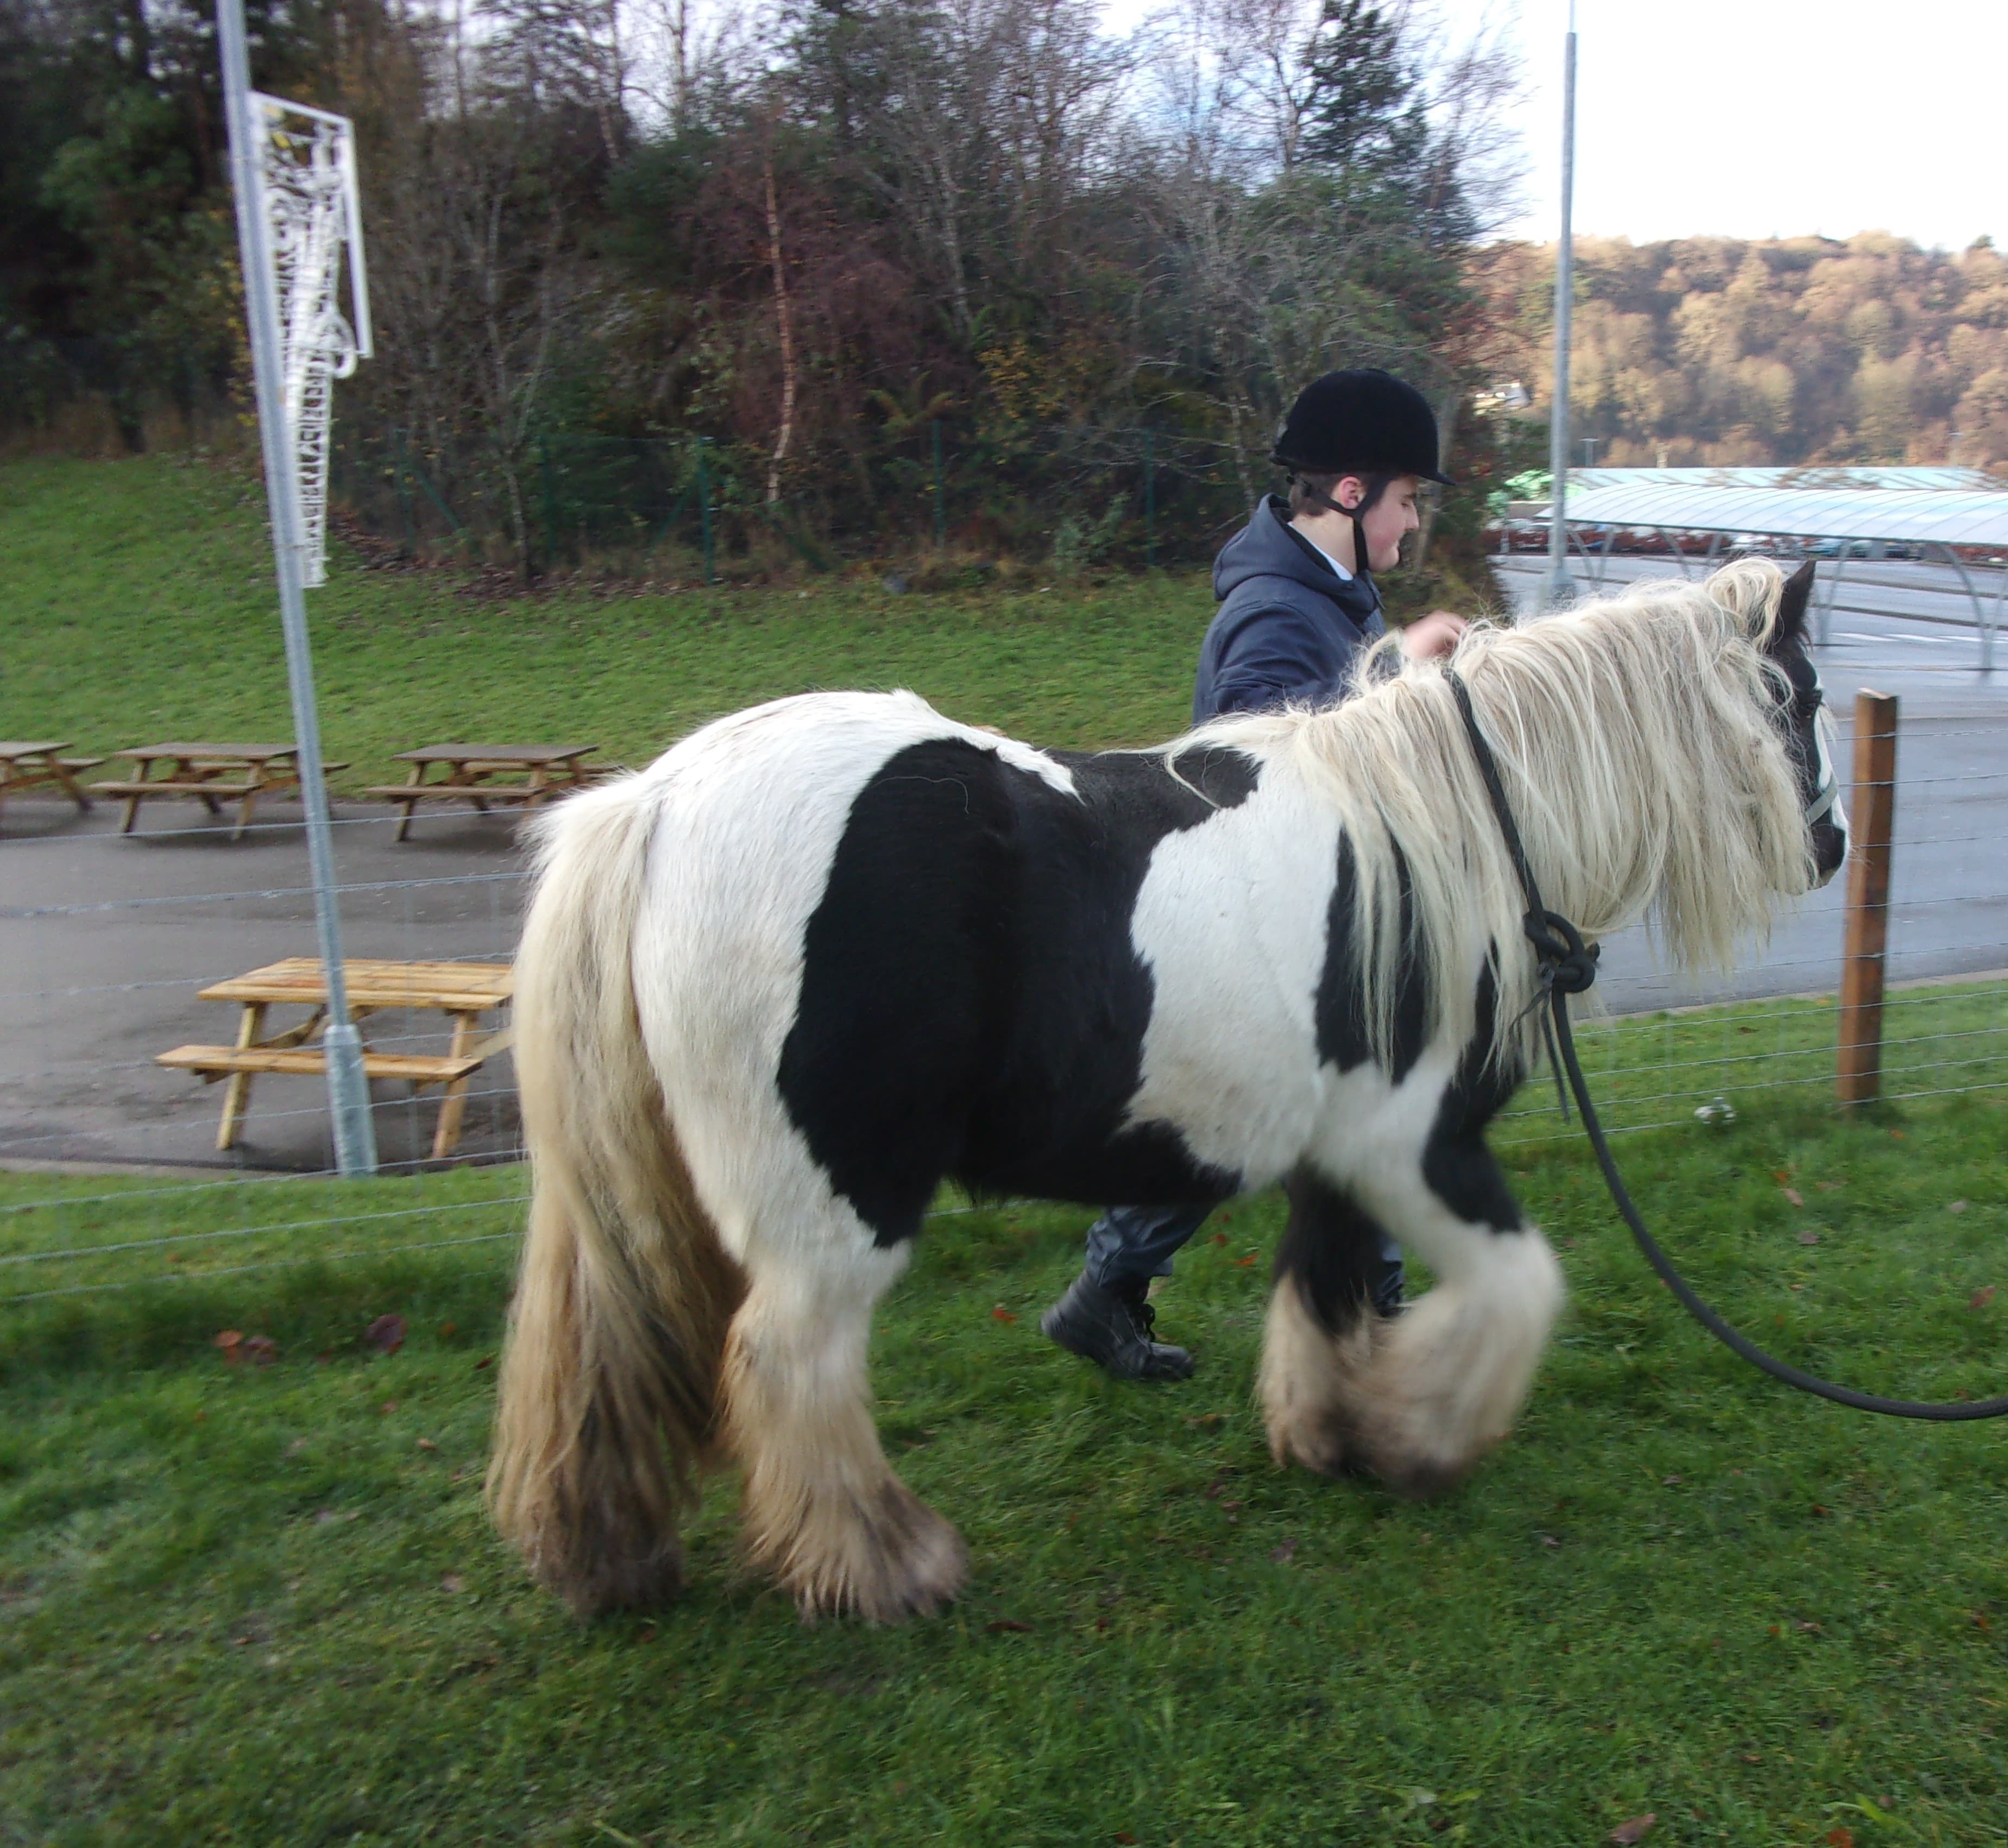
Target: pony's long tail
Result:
[610, 1374]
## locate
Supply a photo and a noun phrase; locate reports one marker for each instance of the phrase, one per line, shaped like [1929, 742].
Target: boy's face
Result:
[1388, 521]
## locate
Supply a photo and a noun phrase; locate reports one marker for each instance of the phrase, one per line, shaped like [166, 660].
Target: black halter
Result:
[1569, 966]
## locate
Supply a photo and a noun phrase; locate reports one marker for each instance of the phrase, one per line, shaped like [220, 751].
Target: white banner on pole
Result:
[307, 195]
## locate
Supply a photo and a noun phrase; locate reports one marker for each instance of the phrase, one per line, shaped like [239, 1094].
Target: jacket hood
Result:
[1268, 547]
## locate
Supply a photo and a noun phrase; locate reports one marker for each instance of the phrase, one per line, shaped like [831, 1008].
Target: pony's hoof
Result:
[901, 1560]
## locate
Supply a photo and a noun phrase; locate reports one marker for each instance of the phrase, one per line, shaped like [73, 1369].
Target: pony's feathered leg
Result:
[824, 1511]
[1418, 1399]
[607, 1399]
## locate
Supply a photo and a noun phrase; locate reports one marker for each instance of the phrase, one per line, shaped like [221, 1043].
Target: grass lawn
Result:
[140, 605]
[260, 1604]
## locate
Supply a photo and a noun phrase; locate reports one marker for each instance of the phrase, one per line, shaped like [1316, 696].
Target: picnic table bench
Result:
[464, 991]
[31, 763]
[209, 774]
[545, 770]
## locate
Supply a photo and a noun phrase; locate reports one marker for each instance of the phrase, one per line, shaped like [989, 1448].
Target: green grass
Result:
[260, 1604]
[140, 605]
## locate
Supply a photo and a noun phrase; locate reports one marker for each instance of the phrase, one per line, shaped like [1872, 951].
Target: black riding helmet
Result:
[1360, 422]
[1363, 422]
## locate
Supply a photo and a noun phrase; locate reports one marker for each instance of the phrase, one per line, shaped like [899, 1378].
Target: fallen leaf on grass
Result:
[230, 1341]
[486, 1361]
[1126, 1838]
[1220, 1237]
[388, 1406]
[1206, 1420]
[1548, 1540]
[1981, 1620]
[1840, 1838]
[1000, 1313]
[1809, 1236]
[1242, 1263]
[1636, 1830]
[1818, 1509]
[1806, 1624]
[1282, 1555]
[452, 1582]
[1827, 1186]
[448, 1330]
[1793, 1194]
[426, 1444]
[1006, 1623]
[262, 1350]
[386, 1334]
[1957, 1207]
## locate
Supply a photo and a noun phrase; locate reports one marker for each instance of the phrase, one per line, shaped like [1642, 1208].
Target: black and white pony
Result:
[823, 954]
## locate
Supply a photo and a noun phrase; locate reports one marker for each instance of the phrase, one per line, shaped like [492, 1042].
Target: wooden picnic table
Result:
[539, 773]
[31, 763]
[463, 991]
[208, 773]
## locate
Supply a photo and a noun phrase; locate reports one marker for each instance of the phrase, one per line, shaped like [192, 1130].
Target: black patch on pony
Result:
[1457, 1166]
[1789, 652]
[1333, 1248]
[1225, 776]
[971, 1005]
[1342, 1038]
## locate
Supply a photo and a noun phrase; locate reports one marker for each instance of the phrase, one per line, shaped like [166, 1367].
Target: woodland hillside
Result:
[862, 275]
[825, 238]
[1708, 350]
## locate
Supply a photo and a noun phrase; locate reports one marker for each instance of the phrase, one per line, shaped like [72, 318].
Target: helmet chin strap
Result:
[1362, 565]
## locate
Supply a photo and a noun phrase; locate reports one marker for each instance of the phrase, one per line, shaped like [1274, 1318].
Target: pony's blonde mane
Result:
[1635, 744]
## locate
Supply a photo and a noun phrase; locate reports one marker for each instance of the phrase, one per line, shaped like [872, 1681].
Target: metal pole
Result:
[941, 492]
[347, 1085]
[704, 510]
[1559, 589]
[1150, 500]
[1871, 814]
[550, 502]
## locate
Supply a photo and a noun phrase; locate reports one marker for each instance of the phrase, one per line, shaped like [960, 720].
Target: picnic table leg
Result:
[453, 1099]
[237, 1088]
[67, 778]
[414, 780]
[244, 809]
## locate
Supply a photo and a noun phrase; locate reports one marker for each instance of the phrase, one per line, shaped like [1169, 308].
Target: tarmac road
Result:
[104, 939]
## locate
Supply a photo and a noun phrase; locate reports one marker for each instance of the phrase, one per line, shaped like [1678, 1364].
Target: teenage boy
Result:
[1297, 605]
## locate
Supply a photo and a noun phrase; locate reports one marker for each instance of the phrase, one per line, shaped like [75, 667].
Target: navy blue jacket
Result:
[1287, 626]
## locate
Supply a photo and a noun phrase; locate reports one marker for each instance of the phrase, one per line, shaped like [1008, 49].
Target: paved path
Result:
[104, 939]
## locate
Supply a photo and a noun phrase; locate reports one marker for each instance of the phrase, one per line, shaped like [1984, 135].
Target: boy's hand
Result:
[1428, 637]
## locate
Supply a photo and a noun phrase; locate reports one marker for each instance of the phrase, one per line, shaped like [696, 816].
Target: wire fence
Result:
[106, 940]
[1073, 496]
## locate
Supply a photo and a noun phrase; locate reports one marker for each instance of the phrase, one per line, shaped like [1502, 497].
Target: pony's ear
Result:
[1792, 602]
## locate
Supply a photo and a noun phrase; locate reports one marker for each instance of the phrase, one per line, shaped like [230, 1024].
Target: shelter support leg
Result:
[1872, 813]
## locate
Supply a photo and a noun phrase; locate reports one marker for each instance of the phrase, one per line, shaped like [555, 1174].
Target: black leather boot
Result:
[1111, 1327]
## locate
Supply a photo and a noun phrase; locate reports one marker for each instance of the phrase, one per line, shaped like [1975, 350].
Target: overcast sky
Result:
[1757, 118]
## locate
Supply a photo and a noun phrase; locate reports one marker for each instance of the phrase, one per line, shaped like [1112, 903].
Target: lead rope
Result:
[1568, 966]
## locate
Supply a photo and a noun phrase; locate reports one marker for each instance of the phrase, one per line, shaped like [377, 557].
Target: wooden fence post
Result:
[1872, 809]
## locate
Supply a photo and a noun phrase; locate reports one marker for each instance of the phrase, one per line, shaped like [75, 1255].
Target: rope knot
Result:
[1568, 965]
